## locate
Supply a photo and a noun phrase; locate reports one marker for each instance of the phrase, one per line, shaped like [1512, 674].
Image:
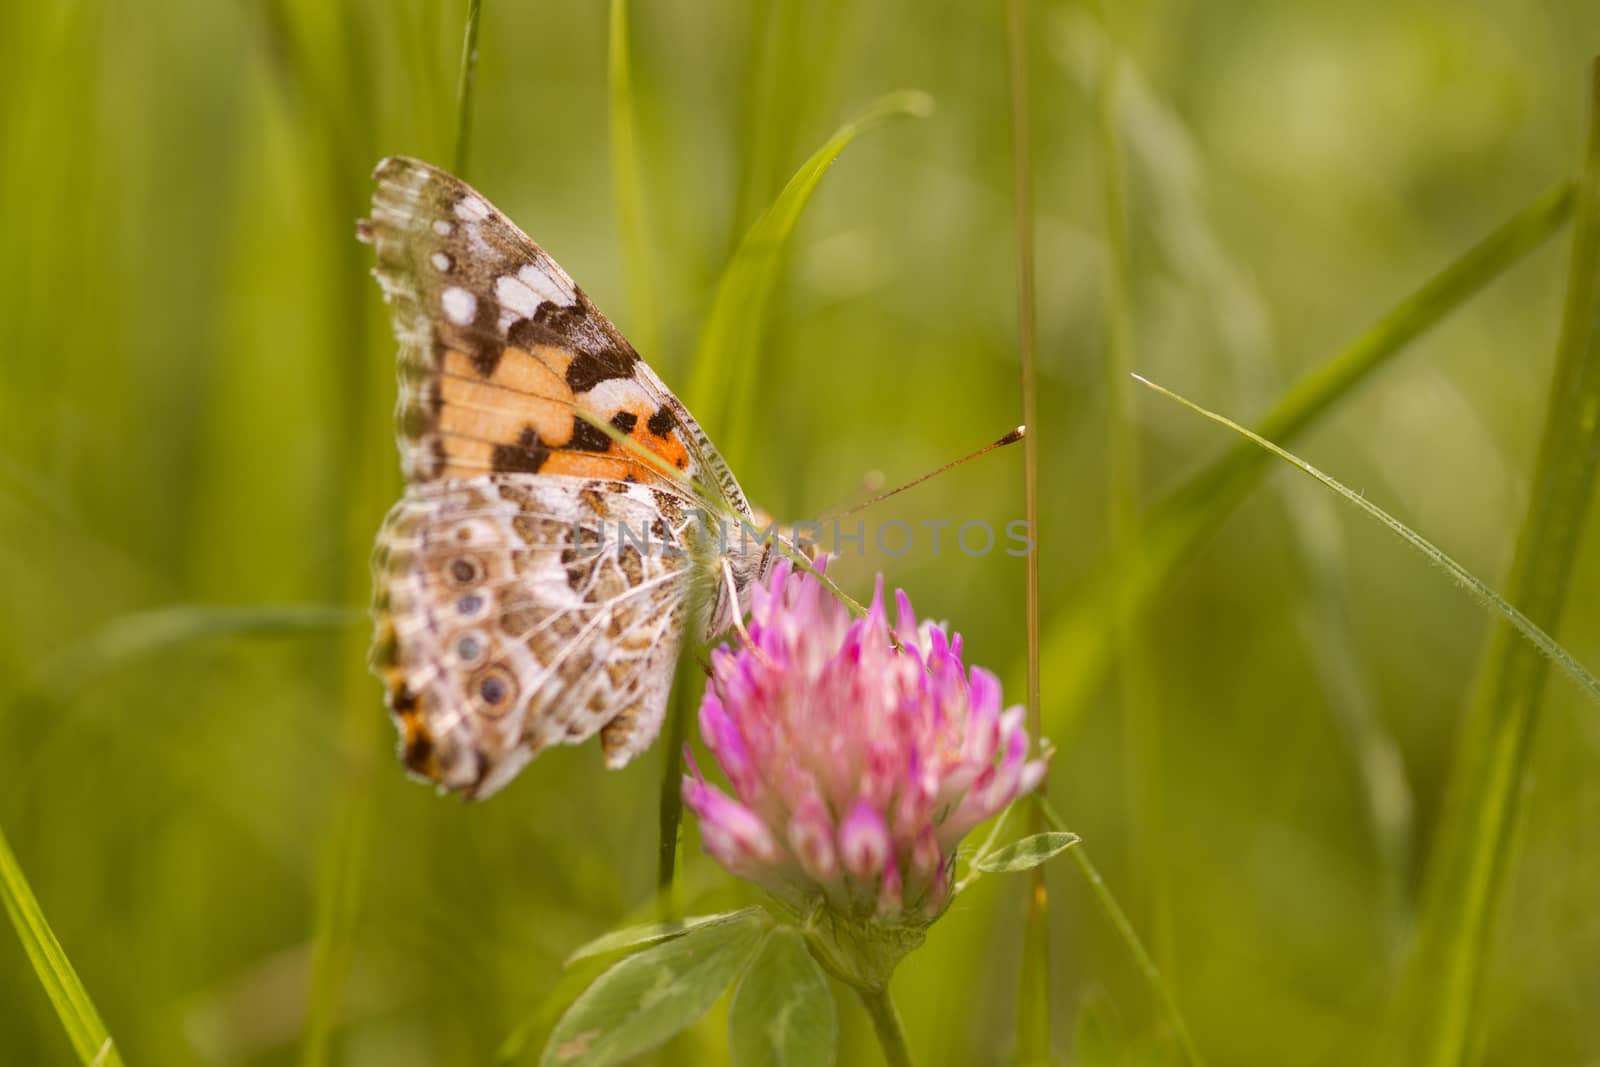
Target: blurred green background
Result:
[195, 395]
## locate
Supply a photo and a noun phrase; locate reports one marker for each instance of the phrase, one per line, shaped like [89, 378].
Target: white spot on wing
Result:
[440, 261]
[471, 209]
[460, 306]
[442, 227]
[552, 285]
[618, 394]
[515, 297]
[521, 294]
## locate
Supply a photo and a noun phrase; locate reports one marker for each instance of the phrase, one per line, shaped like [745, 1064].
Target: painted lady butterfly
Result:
[513, 609]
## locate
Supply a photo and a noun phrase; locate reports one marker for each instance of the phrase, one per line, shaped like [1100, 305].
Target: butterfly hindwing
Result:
[516, 612]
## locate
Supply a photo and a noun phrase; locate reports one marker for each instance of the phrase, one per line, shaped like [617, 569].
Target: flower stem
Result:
[671, 802]
[671, 806]
[886, 1021]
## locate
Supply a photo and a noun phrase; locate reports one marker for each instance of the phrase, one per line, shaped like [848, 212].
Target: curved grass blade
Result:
[1173, 180]
[1474, 586]
[775, 87]
[628, 192]
[1482, 824]
[1130, 654]
[364, 487]
[55, 972]
[1130, 939]
[643, 322]
[725, 357]
[1077, 648]
[722, 383]
[144, 633]
[468, 82]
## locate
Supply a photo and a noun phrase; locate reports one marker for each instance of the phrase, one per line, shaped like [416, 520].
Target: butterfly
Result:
[532, 586]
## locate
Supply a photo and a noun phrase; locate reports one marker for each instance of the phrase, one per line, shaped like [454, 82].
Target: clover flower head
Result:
[858, 754]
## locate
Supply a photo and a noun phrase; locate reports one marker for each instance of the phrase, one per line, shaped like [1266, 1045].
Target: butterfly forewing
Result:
[499, 349]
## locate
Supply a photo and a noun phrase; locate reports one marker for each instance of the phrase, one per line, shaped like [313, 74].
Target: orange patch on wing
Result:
[526, 390]
[670, 448]
[542, 371]
[465, 458]
[608, 465]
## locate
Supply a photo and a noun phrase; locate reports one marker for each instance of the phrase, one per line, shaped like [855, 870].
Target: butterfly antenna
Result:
[1009, 439]
[871, 483]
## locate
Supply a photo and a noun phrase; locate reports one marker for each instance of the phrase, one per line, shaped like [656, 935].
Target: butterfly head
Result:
[746, 562]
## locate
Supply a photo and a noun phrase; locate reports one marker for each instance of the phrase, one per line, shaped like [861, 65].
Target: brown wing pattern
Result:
[505, 625]
[499, 348]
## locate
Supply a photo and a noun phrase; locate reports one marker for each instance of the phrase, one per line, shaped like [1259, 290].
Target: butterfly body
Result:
[531, 588]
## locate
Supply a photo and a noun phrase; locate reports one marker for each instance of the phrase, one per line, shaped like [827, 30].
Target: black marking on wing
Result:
[528, 333]
[662, 422]
[589, 369]
[481, 342]
[589, 438]
[526, 456]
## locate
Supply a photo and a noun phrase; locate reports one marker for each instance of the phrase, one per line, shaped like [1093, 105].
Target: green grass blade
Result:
[725, 359]
[770, 98]
[340, 869]
[1480, 839]
[364, 487]
[1142, 959]
[1141, 956]
[55, 972]
[643, 320]
[791, 70]
[466, 86]
[1474, 586]
[144, 633]
[1173, 176]
[1027, 321]
[1141, 723]
[1122, 446]
[1077, 648]
[1033, 978]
